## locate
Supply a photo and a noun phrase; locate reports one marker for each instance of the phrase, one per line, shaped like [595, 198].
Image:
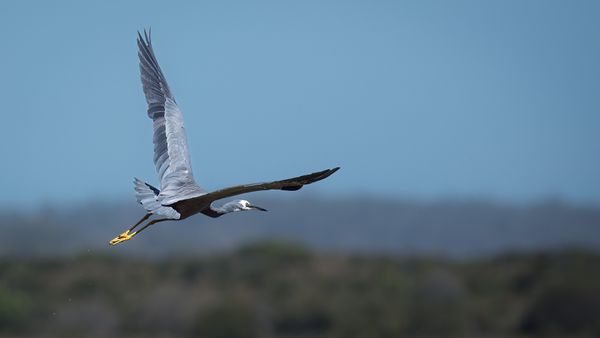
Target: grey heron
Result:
[179, 196]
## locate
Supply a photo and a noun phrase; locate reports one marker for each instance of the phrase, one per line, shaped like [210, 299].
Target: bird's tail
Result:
[147, 196]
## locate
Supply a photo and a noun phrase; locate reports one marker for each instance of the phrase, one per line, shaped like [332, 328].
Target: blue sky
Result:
[424, 99]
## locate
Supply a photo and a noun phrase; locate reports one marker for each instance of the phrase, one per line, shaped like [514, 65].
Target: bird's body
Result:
[179, 196]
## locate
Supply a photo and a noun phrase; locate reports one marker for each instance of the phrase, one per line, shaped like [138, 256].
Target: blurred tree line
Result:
[274, 289]
[452, 228]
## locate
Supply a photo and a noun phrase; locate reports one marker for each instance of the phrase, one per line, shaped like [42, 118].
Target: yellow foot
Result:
[122, 238]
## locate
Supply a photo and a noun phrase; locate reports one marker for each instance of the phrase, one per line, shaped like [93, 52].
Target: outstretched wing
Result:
[171, 155]
[290, 184]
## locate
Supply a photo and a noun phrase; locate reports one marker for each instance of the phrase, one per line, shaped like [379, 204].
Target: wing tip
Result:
[146, 39]
[311, 178]
[327, 172]
[147, 35]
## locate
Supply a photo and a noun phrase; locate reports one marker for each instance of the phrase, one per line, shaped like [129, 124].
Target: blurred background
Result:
[468, 203]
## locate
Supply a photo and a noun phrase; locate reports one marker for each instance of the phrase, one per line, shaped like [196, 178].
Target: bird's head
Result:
[241, 205]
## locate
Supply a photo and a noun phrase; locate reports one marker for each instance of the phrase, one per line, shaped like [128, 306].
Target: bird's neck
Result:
[218, 210]
[224, 209]
[213, 212]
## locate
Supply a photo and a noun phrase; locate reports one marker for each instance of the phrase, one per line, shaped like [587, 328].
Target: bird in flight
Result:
[179, 196]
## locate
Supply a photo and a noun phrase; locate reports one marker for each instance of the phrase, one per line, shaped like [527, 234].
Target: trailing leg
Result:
[126, 236]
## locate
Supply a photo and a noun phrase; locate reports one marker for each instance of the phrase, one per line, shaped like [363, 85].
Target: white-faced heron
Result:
[179, 196]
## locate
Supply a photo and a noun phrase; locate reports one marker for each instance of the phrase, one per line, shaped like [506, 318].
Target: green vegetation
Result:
[280, 290]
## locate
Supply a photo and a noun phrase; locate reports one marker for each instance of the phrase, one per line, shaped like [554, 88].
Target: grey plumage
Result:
[171, 155]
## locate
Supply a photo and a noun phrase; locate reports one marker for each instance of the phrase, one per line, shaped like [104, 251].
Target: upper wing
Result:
[171, 155]
[289, 184]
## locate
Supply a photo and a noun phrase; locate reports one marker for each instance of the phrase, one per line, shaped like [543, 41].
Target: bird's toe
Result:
[121, 238]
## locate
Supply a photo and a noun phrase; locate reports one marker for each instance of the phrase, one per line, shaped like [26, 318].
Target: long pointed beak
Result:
[259, 208]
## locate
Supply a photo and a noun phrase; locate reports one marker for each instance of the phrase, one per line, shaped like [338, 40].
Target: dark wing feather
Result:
[289, 184]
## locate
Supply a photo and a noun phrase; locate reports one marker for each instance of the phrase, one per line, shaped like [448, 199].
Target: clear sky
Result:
[425, 99]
